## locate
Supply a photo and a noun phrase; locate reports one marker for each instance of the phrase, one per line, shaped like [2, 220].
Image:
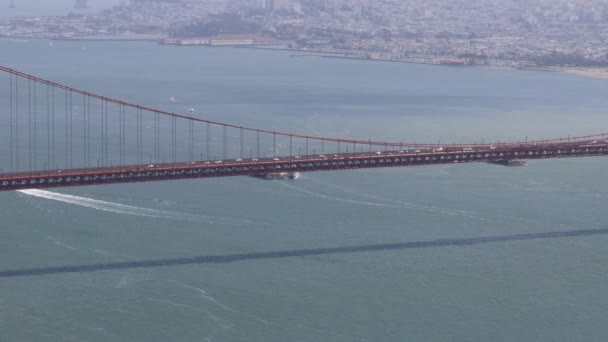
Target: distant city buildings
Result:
[209, 42]
[482, 32]
[257, 4]
[271, 5]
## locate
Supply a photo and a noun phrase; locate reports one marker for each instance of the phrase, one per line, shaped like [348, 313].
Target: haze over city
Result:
[523, 34]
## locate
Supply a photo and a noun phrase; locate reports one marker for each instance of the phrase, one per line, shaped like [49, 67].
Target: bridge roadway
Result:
[343, 161]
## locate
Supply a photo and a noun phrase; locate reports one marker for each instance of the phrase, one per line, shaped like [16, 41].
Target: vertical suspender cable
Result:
[139, 136]
[258, 143]
[29, 119]
[48, 128]
[208, 141]
[35, 129]
[120, 137]
[156, 147]
[11, 119]
[174, 138]
[137, 126]
[102, 145]
[84, 132]
[53, 166]
[66, 129]
[191, 126]
[89, 137]
[17, 124]
[242, 143]
[124, 136]
[107, 156]
[225, 143]
[71, 133]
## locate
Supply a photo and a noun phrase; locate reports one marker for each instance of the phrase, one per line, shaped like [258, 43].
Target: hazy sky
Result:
[49, 7]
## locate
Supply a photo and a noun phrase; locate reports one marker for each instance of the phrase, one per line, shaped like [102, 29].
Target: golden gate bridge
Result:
[56, 136]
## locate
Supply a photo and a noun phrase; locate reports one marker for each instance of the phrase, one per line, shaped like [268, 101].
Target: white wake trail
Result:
[125, 209]
[339, 199]
[101, 205]
[408, 205]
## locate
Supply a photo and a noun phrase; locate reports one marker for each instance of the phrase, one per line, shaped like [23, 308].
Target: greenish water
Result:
[531, 290]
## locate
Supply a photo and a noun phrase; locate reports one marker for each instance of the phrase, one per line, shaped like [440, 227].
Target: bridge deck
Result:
[248, 167]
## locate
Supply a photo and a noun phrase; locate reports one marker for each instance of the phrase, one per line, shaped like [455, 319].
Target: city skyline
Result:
[539, 33]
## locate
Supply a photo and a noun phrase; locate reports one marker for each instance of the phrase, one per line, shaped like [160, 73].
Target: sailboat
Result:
[172, 99]
[84, 48]
[50, 43]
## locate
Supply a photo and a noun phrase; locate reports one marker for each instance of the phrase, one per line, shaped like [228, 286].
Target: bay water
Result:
[527, 289]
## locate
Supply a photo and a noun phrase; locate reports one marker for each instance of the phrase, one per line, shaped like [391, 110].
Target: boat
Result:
[278, 175]
[509, 162]
[517, 162]
[172, 99]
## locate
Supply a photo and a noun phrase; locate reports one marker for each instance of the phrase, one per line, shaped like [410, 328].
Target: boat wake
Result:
[390, 203]
[339, 199]
[432, 209]
[101, 205]
[126, 209]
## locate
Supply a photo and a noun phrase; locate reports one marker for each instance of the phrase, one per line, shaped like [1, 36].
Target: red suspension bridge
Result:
[55, 135]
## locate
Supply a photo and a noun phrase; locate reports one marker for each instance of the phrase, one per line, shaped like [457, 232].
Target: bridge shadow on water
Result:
[229, 258]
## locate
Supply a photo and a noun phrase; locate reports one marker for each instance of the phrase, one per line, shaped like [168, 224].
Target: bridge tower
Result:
[80, 4]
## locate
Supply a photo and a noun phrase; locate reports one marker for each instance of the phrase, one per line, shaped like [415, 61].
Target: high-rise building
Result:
[11, 4]
[269, 4]
[278, 4]
[259, 4]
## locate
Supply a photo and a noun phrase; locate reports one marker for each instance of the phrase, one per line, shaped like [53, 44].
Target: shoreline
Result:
[591, 72]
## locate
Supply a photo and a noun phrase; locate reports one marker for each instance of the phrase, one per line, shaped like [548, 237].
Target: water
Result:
[24, 8]
[536, 289]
